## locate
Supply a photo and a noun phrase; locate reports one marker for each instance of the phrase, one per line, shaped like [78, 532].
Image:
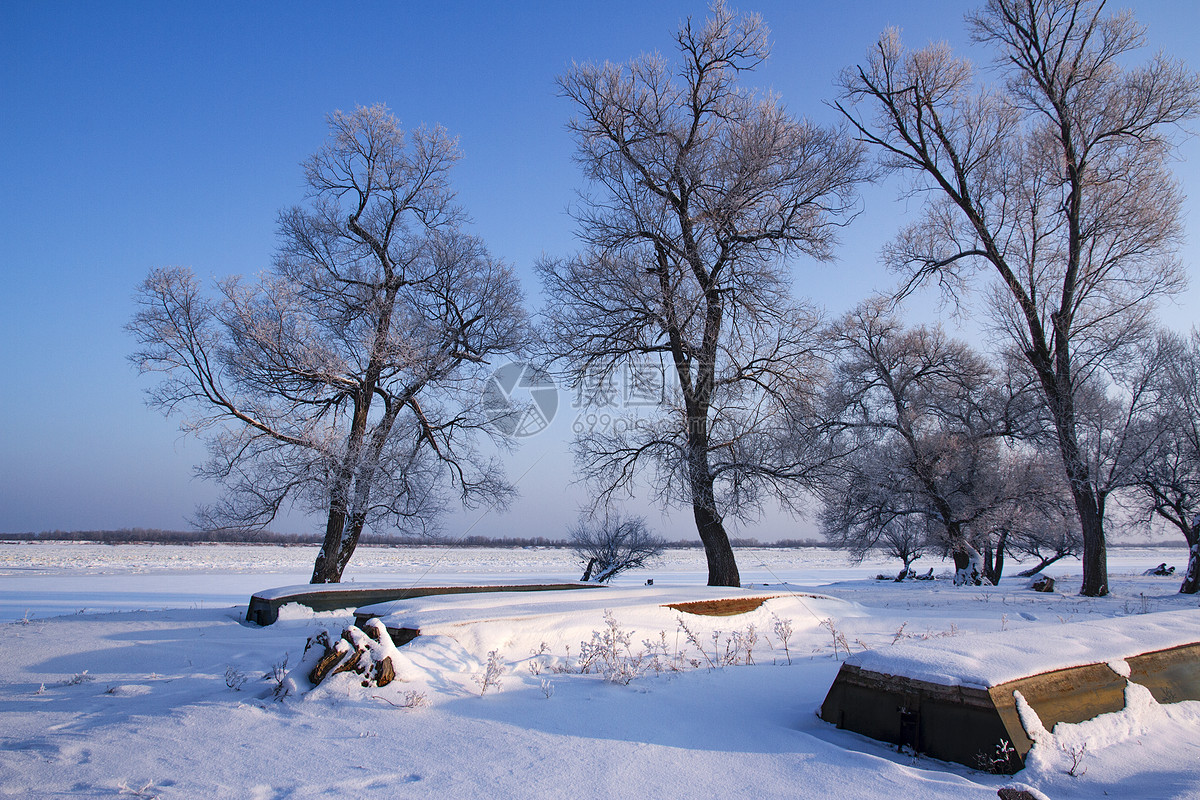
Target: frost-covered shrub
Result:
[78, 678]
[611, 654]
[1000, 760]
[1075, 752]
[538, 659]
[839, 638]
[783, 632]
[490, 677]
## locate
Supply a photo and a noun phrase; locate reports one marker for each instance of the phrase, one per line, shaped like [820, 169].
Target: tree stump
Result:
[1042, 583]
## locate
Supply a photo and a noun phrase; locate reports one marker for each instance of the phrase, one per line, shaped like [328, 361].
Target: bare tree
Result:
[864, 509]
[1035, 517]
[907, 539]
[1119, 408]
[861, 519]
[702, 192]
[1047, 535]
[612, 545]
[922, 419]
[1057, 182]
[345, 380]
[1168, 477]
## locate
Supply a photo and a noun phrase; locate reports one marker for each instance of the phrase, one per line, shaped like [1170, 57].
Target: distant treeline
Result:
[156, 535]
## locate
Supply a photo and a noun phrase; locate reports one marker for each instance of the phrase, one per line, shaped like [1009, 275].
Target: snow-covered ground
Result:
[129, 671]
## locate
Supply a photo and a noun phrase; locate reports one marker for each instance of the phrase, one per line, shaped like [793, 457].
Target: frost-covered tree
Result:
[1168, 477]
[701, 192]
[1055, 182]
[907, 539]
[345, 379]
[861, 524]
[922, 420]
[1048, 534]
[613, 544]
[1034, 518]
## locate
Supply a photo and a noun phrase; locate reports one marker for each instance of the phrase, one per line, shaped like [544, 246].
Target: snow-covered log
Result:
[369, 653]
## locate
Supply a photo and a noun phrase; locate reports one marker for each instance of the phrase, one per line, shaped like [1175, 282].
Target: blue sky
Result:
[147, 134]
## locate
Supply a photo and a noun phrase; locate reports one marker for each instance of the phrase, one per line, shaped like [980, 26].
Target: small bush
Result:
[783, 632]
[278, 676]
[235, 679]
[78, 678]
[490, 677]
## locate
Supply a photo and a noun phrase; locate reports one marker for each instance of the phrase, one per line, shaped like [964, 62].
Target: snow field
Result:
[177, 703]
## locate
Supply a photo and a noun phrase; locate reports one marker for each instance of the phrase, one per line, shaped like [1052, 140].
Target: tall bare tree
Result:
[1056, 182]
[700, 193]
[345, 380]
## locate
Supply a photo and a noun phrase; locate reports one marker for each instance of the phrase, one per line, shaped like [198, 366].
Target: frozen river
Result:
[40, 579]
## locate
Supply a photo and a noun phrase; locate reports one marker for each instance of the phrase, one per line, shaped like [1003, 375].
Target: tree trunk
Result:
[1191, 578]
[341, 537]
[967, 565]
[349, 543]
[340, 542]
[1054, 373]
[1095, 553]
[329, 564]
[993, 567]
[1088, 505]
[325, 569]
[722, 566]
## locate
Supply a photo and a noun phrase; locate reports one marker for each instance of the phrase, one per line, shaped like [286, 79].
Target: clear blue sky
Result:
[137, 135]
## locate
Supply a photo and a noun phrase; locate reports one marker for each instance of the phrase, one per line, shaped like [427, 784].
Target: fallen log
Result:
[367, 651]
